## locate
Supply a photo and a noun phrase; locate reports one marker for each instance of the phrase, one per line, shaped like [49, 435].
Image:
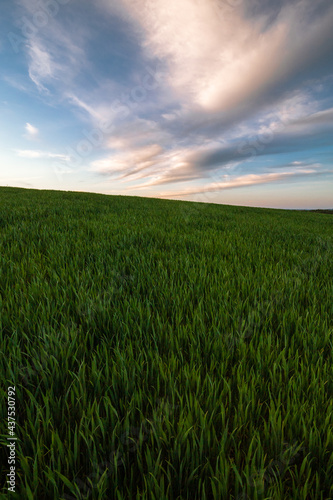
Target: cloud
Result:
[32, 132]
[222, 62]
[32, 154]
[228, 65]
[138, 132]
[240, 86]
[319, 120]
[42, 67]
[291, 128]
[14, 81]
[305, 133]
[90, 110]
[137, 149]
[244, 181]
[130, 163]
[55, 51]
[200, 161]
[295, 165]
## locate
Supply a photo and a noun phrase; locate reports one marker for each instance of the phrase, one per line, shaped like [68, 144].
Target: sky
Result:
[217, 101]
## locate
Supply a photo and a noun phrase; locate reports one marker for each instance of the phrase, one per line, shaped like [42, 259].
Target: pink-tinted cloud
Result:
[220, 62]
[128, 163]
[242, 181]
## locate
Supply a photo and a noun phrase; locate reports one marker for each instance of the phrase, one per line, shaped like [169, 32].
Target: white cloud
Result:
[97, 113]
[31, 154]
[130, 163]
[32, 132]
[41, 68]
[221, 62]
[55, 51]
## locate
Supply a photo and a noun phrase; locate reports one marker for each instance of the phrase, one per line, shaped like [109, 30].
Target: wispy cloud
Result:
[199, 161]
[14, 81]
[243, 181]
[55, 53]
[31, 131]
[32, 154]
[130, 163]
[42, 68]
[242, 88]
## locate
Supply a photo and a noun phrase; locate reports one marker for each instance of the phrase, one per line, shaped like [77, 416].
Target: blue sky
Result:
[222, 101]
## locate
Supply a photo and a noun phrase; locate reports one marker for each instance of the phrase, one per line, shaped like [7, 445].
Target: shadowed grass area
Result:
[328, 211]
[165, 349]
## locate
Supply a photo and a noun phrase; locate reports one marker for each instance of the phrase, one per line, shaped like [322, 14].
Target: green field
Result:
[165, 350]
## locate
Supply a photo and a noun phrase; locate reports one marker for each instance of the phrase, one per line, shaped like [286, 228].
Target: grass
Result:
[323, 211]
[165, 350]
